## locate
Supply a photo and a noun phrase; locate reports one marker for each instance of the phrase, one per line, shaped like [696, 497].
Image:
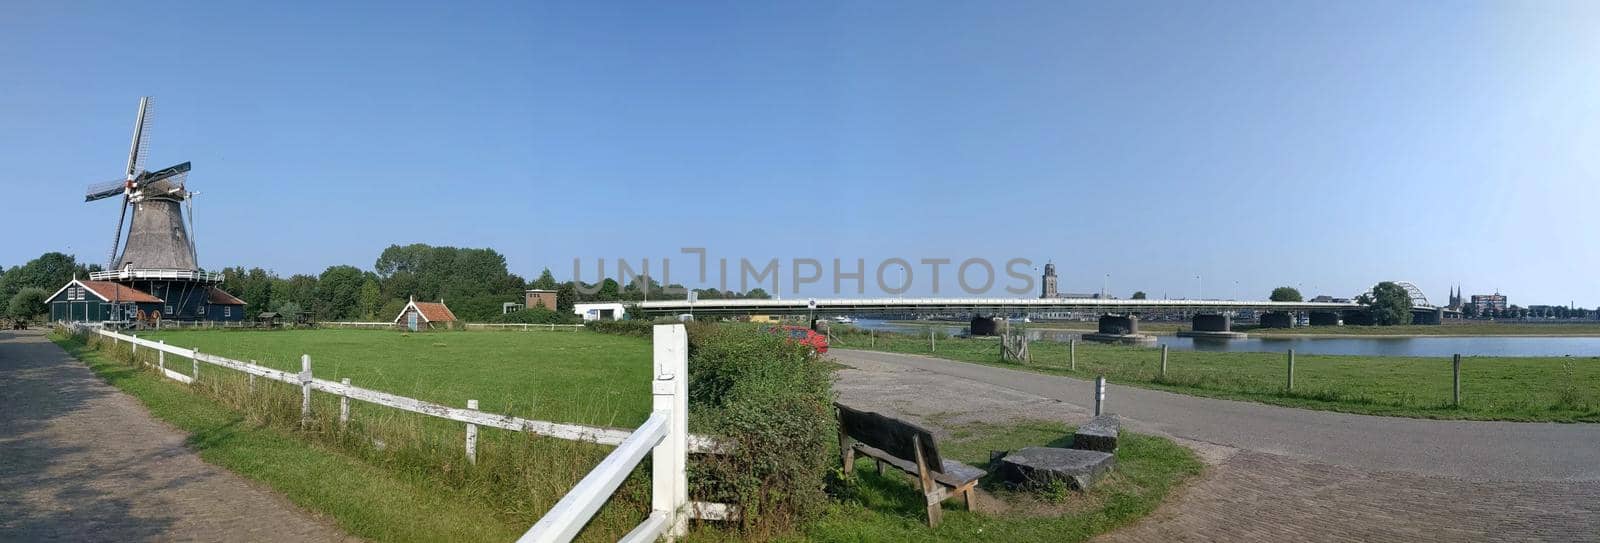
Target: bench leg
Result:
[880, 468]
[971, 496]
[935, 512]
[847, 453]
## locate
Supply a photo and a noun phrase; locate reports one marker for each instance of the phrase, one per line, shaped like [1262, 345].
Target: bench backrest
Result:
[889, 435]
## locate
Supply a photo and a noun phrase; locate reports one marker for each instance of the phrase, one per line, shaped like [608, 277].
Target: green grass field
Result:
[1563, 389]
[375, 492]
[580, 377]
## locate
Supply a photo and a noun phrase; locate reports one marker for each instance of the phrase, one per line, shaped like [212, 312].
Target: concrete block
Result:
[1035, 467]
[1099, 434]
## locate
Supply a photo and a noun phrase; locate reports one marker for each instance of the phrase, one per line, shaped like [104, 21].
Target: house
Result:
[103, 301]
[602, 311]
[534, 297]
[425, 316]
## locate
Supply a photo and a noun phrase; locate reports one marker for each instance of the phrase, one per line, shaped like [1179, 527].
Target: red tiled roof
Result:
[215, 295]
[113, 292]
[435, 312]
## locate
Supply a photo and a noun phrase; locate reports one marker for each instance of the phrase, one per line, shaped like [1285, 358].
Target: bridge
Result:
[1119, 319]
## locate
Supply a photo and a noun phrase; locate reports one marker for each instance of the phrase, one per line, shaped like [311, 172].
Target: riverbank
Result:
[1556, 389]
[1449, 329]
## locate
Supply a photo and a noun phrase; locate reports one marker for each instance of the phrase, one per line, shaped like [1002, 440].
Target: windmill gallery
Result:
[155, 274]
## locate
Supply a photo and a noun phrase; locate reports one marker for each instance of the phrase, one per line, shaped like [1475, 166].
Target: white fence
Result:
[523, 327]
[665, 434]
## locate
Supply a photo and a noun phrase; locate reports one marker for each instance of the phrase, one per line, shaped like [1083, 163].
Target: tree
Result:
[546, 281]
[1389, 304]
[338, 293]
[1469, 311]
[1286, 294]
[28, 303]
[1140, 295]
[49, 271]
[370, 299]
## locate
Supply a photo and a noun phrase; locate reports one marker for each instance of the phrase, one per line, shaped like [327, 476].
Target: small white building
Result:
[601, 311]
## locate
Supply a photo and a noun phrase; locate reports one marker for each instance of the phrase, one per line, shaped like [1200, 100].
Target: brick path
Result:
[1279, 474]
[80, 461]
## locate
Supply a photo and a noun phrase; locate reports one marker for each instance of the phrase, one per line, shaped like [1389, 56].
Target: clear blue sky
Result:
[1323, 144]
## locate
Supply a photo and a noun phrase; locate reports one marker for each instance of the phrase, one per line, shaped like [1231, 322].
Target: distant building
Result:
[425, 316]
[534, 297]
[1050, 282]
[601, 311]
[1455, 298]
[1489, 302]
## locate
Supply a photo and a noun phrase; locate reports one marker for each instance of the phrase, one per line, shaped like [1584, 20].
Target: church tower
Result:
[1049, 281]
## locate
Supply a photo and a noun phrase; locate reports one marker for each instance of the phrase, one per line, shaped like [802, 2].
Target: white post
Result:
[1072, 354]
[161, 359]
[669, 484]
[1163, 361]
[344, 405]
[135, 345]
[305, 389]
[195, 372]
[472, 436]
[1099, 394]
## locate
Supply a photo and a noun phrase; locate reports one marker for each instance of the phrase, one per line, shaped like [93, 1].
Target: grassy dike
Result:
[1564, 389]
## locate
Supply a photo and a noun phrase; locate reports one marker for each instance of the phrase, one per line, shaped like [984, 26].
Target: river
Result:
[1361, 346]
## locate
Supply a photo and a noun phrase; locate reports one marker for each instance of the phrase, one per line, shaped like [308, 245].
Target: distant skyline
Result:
[1326, 146]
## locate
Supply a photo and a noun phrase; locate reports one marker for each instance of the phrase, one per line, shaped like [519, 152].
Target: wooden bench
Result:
[911, 449]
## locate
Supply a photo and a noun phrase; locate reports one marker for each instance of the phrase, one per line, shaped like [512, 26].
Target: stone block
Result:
[1036, 467]
[1099, 434]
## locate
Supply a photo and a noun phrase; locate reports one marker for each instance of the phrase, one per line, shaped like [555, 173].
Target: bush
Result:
[773, 400]
[621, 328]
[535, 315]
[28, 303]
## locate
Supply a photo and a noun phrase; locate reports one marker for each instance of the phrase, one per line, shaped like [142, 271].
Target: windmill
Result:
[157, 238]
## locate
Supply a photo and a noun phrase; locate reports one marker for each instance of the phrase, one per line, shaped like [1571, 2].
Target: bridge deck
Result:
[866, 306]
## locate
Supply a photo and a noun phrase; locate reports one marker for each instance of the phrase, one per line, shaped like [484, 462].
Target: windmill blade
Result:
[139, 149]
[100, 191]
[111, 260]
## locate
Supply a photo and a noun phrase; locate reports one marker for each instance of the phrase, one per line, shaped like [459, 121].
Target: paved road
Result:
[1281, 474]
[80, 461]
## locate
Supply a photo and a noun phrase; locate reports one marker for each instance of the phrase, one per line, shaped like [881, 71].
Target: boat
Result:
[843, 319]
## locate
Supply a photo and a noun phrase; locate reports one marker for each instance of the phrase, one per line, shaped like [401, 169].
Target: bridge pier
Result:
[1435, 316]
[1277, 319]
[1325, 318]
[1211, 326]
[1119, 329]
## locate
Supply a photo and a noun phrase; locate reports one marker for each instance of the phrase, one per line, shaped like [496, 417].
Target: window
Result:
[202, 310]
[227, 311]
[169, 309]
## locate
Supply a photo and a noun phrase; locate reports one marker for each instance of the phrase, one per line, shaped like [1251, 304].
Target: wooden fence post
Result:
[305, 389]
[161, 359]
[1291, 370]
[195, 372]
[1072, 354]
[472, 436]
[1163, 361]
[669, 483]
[873, 337]
[932, 347]
[1455, 379]
[344, 404]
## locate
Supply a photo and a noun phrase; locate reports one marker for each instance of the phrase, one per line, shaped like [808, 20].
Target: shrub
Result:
[621, 328]
[772, 400]
[534, 315]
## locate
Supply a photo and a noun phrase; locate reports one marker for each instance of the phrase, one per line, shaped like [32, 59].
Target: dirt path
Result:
[81, 461]
[1279, 474]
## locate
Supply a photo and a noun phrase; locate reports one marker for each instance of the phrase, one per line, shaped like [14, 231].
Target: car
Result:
[802, 335]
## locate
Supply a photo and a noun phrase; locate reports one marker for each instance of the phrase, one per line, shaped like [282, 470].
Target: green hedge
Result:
[773, 400]
[622, 328]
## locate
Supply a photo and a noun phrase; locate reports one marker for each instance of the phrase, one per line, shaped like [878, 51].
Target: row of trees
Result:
[475, 283]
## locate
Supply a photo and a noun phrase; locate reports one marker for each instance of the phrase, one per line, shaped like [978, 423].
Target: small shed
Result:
[601, 311]
[221, 306]
[268, 319]
[425, 316]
